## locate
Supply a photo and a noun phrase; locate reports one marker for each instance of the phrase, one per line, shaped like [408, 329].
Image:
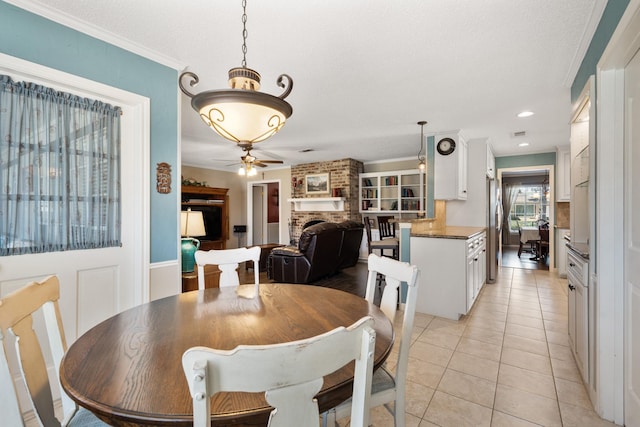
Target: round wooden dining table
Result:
[127, 370]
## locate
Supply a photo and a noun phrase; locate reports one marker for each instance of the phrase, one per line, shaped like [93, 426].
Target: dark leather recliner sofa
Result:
[322, 250]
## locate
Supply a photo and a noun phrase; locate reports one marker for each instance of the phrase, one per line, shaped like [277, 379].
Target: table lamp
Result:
[191, 224]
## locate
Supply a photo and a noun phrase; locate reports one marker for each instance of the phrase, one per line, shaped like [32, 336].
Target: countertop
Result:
[581, 249]
[451, 232]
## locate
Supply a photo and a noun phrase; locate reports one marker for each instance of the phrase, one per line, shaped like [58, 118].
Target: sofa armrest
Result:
[290, 251]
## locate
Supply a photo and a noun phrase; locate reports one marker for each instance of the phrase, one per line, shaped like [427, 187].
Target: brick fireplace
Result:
[343, 175]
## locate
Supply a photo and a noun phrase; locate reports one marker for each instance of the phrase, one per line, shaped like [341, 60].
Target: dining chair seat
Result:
[85, 418]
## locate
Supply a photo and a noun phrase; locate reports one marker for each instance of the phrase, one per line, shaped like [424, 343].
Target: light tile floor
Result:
[507, 363]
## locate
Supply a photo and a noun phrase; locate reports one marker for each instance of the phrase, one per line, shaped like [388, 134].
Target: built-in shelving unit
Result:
[393, 191]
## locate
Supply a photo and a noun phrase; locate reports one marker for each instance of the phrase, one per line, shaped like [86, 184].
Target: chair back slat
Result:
[290, 374]
[387, 228]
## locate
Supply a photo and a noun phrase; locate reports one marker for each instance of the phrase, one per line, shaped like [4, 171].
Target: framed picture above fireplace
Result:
[317, 183]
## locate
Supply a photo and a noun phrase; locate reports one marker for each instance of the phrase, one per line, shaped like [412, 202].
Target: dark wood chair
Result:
[392, 243]
[542, 245]
[387, 229]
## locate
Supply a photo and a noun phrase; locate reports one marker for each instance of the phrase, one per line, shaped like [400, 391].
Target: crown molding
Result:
[95, 32]
[585, 41]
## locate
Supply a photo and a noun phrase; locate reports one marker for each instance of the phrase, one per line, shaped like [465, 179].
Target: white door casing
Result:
[611, 227]
[258, 218]
[632, 242]
[98, 283]
[251, 208]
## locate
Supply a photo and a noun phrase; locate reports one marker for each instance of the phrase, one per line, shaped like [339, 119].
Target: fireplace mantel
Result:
[318, 204]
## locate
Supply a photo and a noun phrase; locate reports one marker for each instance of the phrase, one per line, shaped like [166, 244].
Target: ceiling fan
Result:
[249, 162]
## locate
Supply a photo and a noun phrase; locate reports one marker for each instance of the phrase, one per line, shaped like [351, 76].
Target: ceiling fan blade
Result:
[259, 164]
[277, 162]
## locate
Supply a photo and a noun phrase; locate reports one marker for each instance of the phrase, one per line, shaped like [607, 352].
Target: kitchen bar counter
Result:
[449, 232]
[454, 260]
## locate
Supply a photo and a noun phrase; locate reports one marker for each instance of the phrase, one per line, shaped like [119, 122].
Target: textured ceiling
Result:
[364, 71]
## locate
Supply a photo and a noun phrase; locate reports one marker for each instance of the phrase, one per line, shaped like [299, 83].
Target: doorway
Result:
[263, 212]
[528, 199]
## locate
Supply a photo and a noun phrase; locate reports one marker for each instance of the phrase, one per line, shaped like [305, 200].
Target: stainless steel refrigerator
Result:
[494, 228]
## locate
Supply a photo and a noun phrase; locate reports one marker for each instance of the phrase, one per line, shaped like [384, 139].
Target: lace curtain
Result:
[59, 170]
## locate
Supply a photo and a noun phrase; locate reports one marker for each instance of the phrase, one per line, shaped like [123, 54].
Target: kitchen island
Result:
[452, 261]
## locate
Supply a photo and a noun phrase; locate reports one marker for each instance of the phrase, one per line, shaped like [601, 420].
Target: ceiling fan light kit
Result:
[241, 114]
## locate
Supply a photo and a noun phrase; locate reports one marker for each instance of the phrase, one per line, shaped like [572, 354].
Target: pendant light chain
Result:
[244, 33]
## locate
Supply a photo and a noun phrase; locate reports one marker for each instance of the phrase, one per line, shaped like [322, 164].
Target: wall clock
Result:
[446, 146]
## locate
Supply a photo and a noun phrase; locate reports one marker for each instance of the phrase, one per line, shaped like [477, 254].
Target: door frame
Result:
[610, 228]
[552, 206]
[135, 125]
[250, 186]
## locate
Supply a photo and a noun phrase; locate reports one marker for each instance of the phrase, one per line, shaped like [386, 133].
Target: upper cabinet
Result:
[563, 174]
[491, 163]
[450, 167]
[392, 191]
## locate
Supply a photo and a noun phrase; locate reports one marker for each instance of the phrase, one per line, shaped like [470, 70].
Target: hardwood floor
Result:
[510, 259]
[352, 279]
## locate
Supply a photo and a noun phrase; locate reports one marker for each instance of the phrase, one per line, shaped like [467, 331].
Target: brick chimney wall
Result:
[343, 174]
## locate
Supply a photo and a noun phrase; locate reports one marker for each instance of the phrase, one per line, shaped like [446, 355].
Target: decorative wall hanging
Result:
[163, 178]
[317, 183]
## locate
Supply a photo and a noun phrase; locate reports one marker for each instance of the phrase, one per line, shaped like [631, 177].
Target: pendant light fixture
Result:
[242, 114]
[422, 159]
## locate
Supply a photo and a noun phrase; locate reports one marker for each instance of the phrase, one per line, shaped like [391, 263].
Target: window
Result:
[59, 170]
[530, 206]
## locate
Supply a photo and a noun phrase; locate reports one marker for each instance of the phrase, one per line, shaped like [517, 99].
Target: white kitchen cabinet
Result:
[578, 312]
[392, 191]
[491, 163]
[561, 245]
[455, 268]
[563, 174]
[450, 170]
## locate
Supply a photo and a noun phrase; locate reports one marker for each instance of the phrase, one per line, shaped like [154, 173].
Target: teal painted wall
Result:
[608, 23]
[431, 158]
[35, 39]
[526, 160]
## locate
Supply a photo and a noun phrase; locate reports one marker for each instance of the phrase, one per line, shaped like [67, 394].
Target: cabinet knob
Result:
[571, 264]
[571, 287]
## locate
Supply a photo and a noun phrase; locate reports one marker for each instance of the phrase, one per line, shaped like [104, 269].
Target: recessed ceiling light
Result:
[526, 114]
[523, 144]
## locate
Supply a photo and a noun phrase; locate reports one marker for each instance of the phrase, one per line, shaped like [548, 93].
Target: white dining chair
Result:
[388, 387]
[227, 261]
[19, 339]
[290, 374]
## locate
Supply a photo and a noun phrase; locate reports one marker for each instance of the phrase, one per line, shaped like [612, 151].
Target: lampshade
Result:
[191, 223]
